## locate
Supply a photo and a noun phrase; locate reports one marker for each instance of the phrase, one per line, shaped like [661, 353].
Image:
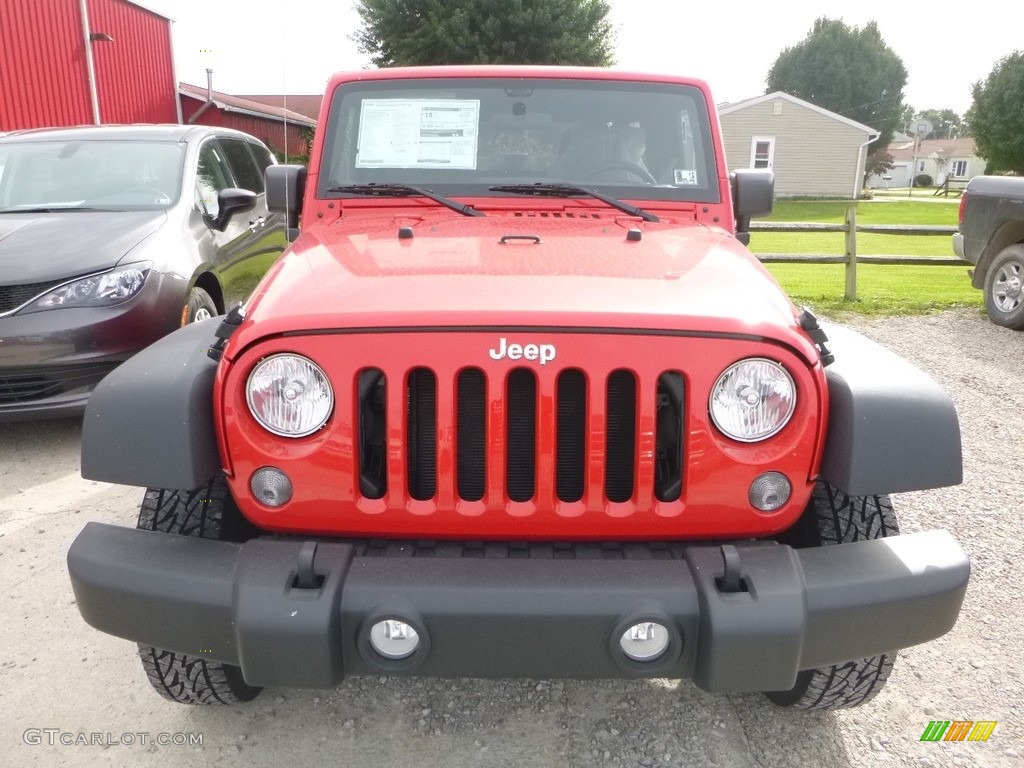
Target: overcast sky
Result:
[293, 46]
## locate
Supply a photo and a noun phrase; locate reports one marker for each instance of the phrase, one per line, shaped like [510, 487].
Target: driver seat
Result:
[591, 148]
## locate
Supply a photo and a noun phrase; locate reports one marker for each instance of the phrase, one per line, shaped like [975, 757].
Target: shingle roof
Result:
[904, 150]
[304, 104]
[244, 106]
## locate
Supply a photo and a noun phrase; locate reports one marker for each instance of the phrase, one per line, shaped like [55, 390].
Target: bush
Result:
[922, 180]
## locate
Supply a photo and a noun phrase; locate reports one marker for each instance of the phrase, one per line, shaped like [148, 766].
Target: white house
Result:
[939, 158]
[812, 151]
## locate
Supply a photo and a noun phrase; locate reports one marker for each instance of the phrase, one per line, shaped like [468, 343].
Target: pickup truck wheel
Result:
[832, 517]
[208, 512]
[1004, 288]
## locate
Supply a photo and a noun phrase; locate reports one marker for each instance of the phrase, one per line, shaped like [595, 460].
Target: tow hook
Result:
[306, 576]
[732, 580]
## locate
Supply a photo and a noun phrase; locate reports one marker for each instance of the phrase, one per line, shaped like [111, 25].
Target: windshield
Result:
[634, 140]
[105, 175]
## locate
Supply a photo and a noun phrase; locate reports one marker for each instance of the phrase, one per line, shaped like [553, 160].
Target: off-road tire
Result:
[832, 517]
[208, 513]
[198, 306]
[1004, 293]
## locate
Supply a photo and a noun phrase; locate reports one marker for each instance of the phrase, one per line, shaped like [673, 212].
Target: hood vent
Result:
[555, 215]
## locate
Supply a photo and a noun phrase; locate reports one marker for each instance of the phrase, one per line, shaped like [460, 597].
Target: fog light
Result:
[271, 487]
[645, 641]
[769, 491]
[394, 639]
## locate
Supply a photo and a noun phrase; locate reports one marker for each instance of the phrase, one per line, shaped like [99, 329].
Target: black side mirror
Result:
[232, 201]
[286, 185]
[753, 194]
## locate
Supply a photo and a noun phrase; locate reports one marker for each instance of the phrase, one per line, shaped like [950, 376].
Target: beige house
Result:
[812, 151]
[939, 158]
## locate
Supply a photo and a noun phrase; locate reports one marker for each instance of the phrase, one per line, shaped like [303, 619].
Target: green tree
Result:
[422, 32]
[996, 116]
[847, 70]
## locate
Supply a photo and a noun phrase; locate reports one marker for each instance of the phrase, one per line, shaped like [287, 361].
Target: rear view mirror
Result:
[232, 201]
[285, 187]
[753, 193]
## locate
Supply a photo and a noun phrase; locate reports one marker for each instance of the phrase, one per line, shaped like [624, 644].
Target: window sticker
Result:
[418, 133]
[685, 178]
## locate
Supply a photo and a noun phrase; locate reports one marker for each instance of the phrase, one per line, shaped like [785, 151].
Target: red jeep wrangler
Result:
[518, 402]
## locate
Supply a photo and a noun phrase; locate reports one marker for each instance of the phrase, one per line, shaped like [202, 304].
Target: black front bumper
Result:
[523, 613]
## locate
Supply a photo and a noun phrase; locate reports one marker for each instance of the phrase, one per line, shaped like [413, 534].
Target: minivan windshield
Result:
[89, 175]
[463, 136]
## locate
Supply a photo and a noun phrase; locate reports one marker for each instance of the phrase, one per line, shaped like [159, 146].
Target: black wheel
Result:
[199, 306]
[832, 517]
[623, 166]
[1004, 288]
[209, 513]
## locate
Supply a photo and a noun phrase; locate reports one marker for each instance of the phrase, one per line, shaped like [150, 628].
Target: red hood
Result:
[583, 272]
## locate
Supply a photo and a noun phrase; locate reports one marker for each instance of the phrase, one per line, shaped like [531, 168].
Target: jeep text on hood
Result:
[518, 402]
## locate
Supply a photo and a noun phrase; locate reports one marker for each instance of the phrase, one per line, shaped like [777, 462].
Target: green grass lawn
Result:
[881, 289]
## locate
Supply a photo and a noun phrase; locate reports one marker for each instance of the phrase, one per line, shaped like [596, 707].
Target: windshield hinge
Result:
[809, 323]
[224, 331]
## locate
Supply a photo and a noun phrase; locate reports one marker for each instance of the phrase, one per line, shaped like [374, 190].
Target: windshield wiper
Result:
[567, 190]
[405, 190]
[51, 209]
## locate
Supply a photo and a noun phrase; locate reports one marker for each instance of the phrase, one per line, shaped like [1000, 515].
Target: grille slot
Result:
[521, 424]
[471, 440]
[668, 467]
[373, 425]
[620, 443]
[421, 403]
[571, 429]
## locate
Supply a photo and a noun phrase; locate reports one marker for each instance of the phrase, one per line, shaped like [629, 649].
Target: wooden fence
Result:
[850, 258]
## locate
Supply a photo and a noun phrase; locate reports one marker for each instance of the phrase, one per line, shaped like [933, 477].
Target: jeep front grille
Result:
[516, 413]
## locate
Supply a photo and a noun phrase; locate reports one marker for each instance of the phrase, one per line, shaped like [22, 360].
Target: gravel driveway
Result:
[63, 682]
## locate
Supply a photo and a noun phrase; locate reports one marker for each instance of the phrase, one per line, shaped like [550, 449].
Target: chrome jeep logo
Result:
[545, 353]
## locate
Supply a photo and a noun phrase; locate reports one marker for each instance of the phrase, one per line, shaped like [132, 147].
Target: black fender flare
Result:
[150, 421]
[891, 427]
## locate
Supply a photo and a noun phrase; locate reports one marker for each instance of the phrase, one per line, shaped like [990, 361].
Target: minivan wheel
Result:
[200, 306]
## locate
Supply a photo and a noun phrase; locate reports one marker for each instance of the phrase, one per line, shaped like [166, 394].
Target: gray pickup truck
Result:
[991, 237]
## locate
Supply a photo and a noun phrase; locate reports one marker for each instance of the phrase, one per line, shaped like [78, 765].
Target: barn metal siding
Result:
[134, 73]
[43, 71]
[270, 131]
[43, 75]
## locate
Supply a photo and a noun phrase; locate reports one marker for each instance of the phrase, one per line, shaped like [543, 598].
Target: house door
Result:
[762, 152]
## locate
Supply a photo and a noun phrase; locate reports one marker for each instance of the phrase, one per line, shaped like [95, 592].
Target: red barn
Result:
[75, 62]
[283, 130]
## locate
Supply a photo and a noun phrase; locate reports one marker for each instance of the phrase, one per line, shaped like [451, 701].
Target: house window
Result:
[920, 167]
[762, 152]
[959, 168]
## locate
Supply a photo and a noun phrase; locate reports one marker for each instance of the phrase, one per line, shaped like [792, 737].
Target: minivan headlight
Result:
[752, 399]
[105, 289]
[289, 395]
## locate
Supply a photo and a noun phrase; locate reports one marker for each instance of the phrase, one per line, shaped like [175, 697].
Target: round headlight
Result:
[752, 400]
[289, 395]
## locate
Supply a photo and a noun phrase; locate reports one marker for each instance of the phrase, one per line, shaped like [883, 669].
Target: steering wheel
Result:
[624, 165]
